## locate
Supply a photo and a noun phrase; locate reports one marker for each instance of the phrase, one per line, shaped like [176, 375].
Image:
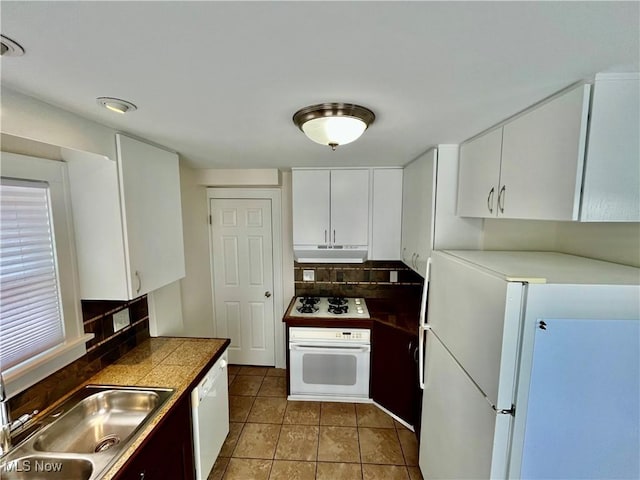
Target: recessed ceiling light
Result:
[10, 48]
[116, 104]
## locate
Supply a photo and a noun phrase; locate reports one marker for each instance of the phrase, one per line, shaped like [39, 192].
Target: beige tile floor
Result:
[272, 438]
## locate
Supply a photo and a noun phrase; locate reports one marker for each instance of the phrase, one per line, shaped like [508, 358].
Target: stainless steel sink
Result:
[85, 435]
[99, 422]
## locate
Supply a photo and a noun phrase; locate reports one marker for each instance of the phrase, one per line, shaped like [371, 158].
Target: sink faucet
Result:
[5, 420]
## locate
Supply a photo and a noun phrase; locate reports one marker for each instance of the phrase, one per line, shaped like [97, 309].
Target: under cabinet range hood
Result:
[322, 254]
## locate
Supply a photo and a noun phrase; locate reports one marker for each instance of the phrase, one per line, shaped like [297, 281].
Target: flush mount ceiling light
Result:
[116, 104]
[333, 124]
[9, 48]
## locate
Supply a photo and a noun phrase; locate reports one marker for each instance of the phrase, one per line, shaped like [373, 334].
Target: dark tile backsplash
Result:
[369, 279]
[102, 350]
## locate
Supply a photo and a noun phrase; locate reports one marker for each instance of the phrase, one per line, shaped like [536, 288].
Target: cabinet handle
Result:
[404, 256]
[416, 262]
[501, 198]
[267, 294]
[490, 200]
[334, 237]
[413, 263]
[325, 236]
[139, 282]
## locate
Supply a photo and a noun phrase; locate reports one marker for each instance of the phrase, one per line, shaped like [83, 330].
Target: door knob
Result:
[267, 294]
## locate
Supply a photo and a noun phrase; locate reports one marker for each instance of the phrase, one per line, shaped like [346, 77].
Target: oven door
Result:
[329, 370]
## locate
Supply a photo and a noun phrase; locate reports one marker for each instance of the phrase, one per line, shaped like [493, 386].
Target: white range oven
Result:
[329, 363]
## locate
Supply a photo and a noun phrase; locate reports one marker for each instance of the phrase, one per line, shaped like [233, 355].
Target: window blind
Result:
[30, 313]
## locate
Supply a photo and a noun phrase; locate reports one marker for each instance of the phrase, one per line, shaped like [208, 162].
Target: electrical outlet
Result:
[121, 320]
[308, 275]
[393, 276]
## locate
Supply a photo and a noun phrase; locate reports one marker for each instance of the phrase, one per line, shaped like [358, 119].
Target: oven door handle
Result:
[330, 349]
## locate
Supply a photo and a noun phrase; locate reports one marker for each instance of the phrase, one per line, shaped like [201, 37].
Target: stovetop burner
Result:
[338, 309]
[337, 301]
[306, 308]
[309, 300]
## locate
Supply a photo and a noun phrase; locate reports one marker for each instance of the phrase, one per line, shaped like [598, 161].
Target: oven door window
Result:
[325, 369]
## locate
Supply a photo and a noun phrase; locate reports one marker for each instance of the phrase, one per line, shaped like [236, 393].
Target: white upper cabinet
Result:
[311, 206]
[152, 210]
[330, 207]
[542, 159]
[611, 191]
[386, 214]
[418, 203]
[534, 167]
[531, 168]
[350, 207]
[429, 219]
[127, 219]
[479, 175]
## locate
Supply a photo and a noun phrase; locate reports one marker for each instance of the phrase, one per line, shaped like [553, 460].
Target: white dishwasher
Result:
[210, 413]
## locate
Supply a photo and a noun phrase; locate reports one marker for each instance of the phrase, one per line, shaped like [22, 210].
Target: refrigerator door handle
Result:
[421, 331]
[423, 326]
[506, 411]
[425, 294]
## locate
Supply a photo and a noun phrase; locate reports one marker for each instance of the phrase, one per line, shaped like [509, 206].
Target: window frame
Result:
[27, 373]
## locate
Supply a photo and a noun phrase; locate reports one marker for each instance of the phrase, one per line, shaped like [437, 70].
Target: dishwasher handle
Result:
[209, 381]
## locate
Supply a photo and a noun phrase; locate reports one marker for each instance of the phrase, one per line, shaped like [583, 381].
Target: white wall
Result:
[197, 301]
[613, 242]
[288, 285]
[26, 117]
[505, 234]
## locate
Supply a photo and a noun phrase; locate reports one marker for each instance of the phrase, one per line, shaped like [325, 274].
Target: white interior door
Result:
[242, 263]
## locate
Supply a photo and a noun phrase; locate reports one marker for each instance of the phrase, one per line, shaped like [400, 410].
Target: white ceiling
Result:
[219, 81]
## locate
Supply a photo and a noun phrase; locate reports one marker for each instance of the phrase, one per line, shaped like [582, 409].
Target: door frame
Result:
[275, 195]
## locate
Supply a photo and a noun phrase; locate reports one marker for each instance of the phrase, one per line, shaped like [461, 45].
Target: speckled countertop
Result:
[159, 362]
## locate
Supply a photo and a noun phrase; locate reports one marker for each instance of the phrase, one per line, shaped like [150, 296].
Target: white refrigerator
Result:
[531, 367]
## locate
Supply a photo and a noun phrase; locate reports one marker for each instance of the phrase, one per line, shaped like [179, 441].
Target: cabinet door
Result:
[152, 210]
[311, 207]
[417, 211]
[611, 190]
[386, 215]
[394, 371]
[350, 207]
[543, 158]
[479, 174]
[168, 453]
[427, 170]
[410, 212]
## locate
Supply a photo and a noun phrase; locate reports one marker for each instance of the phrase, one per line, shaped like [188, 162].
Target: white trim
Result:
[54, 172]
[275, 195]
[394, 416]
[329, 398]
[22, 376]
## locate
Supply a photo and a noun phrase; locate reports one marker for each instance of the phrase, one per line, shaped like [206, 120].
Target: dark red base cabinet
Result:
[394, 372]
[168, 452]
